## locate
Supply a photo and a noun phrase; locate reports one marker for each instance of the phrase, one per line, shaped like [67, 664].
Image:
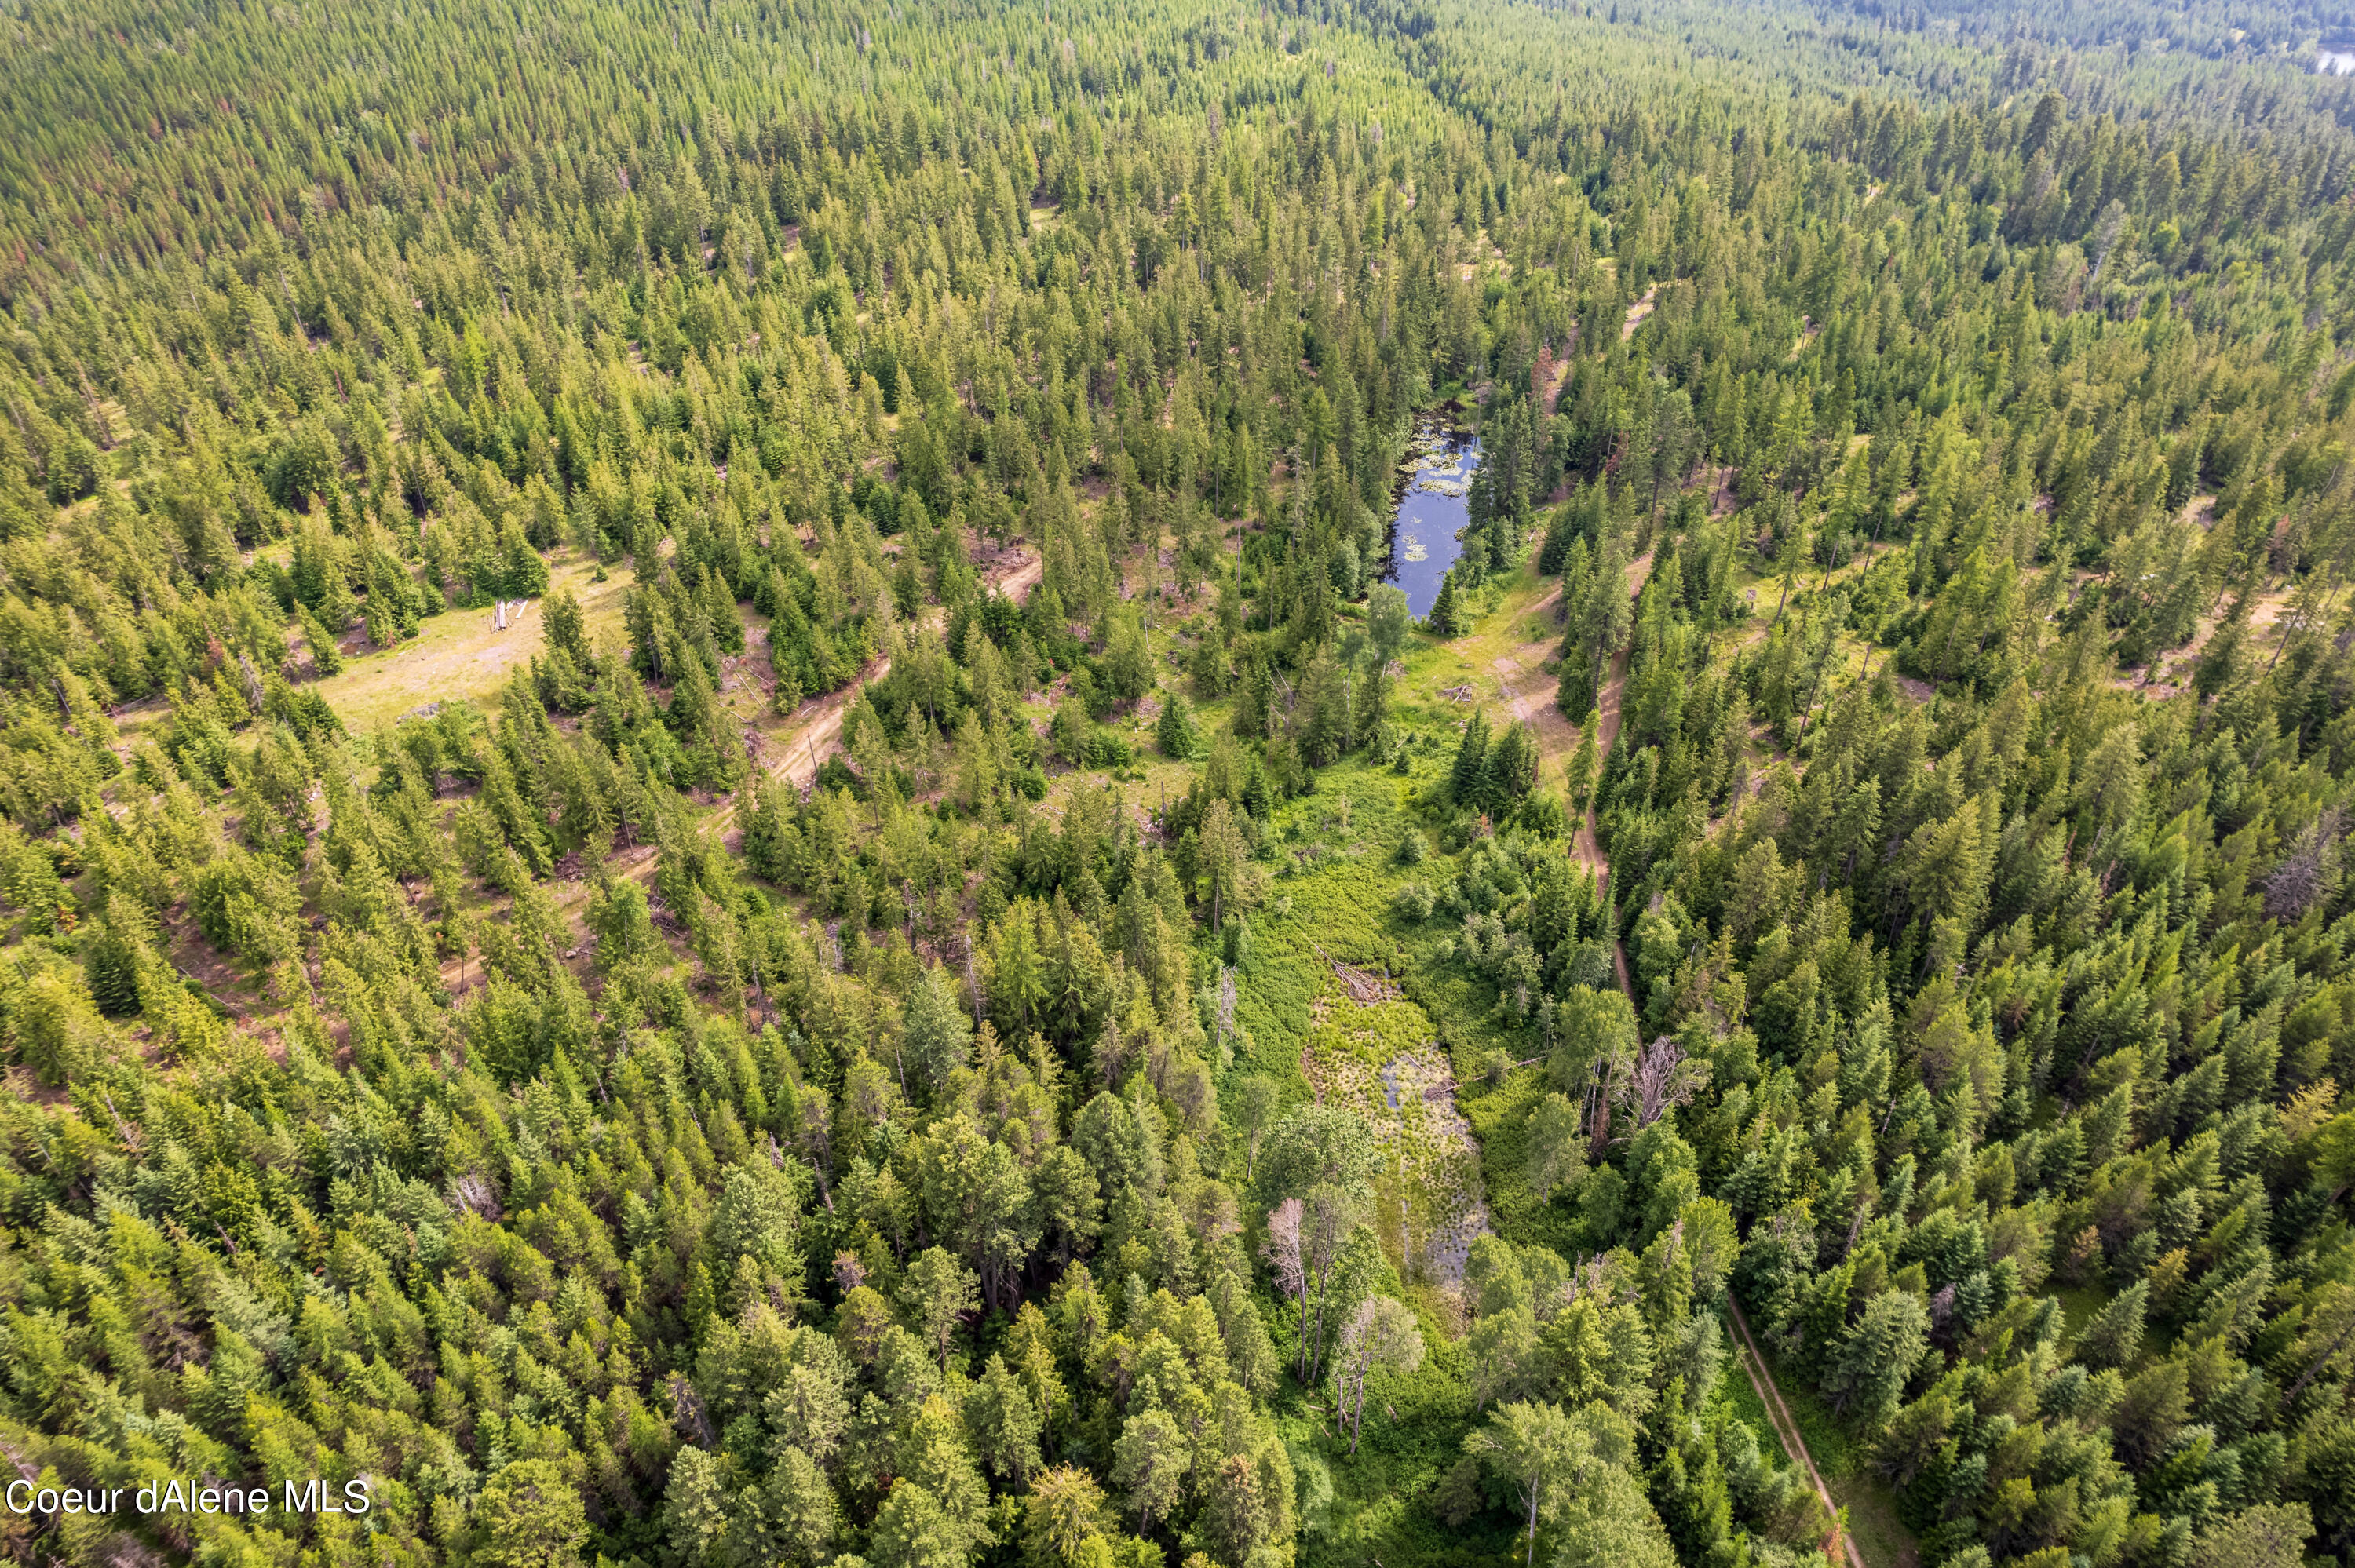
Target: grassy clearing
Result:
[1374, 1506]
[1873, 1523]
[1501, 1118]
[1382, 1061]
[1334, 868]
[2079, 1304]
[458, 656]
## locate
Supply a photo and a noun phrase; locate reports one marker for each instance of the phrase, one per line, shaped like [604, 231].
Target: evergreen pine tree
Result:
[1175, 732]
[1466, 778]
[1445, 620]
[325, 654]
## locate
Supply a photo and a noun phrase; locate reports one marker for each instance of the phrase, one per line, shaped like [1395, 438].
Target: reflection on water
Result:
[1431, 511]
[2335, 62]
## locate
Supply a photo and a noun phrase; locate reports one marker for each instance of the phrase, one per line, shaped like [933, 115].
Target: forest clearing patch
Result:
[464, 654]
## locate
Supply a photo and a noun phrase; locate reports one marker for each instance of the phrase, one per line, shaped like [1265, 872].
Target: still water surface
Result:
[1432, 510]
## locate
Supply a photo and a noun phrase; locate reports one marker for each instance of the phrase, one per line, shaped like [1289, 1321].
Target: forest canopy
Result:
[725, 838]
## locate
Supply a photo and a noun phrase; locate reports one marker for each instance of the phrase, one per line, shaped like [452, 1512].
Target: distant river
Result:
[2335, 62]
[1431, 511]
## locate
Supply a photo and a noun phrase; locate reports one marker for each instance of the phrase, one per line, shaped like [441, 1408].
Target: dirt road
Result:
[817, 730]
[1585, 848]
[1786, 1427]
[815, 736]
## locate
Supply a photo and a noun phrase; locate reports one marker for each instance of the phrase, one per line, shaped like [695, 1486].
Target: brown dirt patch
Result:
[1637, 312]
[1528, 692]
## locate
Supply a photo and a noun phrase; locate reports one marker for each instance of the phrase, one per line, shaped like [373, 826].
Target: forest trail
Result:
[808, 746]
[818, 726]
[1637, 312]
[1533, 705]
[816, 733]
[1787, 1426]
[1017, 583]
[1585, 848]
[1559, 377]
[797, 761]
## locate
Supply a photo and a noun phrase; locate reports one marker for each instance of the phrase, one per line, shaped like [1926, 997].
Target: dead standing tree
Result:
[1283, 1253]
[1642, 1083]
[1659, 1078]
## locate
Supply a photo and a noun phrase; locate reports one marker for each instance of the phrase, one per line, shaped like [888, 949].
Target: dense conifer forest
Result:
[721, 842]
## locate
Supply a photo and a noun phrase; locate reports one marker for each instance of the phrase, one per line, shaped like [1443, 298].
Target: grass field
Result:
[458, 654]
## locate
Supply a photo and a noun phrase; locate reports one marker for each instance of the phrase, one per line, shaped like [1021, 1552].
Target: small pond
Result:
[2339, 61]
[1432, 510]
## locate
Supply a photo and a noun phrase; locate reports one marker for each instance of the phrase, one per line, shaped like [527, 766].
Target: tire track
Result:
[803, 752]
[1786, 1428]
[1585, 847]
